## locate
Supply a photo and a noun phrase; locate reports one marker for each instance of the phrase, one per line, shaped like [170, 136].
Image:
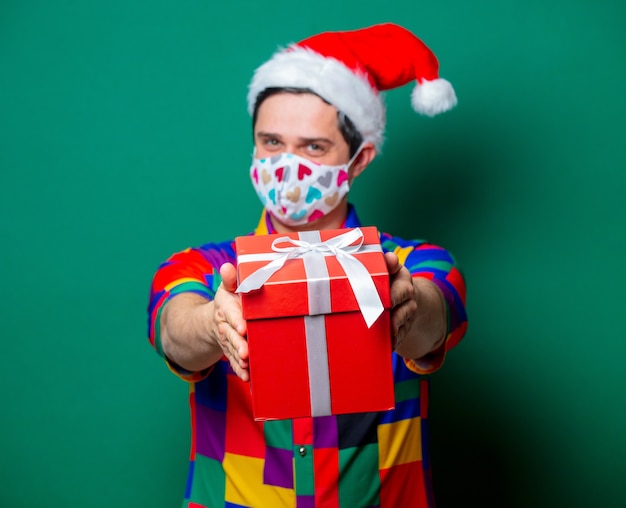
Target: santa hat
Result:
[350, 69]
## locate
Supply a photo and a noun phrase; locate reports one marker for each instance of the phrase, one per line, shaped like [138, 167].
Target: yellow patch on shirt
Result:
[403, 253]
[261, 228]
[244, 484]
[399, 442]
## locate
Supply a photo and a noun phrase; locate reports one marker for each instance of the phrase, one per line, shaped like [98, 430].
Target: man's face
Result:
[302, 124]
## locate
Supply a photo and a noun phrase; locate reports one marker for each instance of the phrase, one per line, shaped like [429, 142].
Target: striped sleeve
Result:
[439, 266]
[194, 270]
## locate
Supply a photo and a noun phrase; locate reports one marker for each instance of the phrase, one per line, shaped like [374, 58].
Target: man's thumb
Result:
[229, 277]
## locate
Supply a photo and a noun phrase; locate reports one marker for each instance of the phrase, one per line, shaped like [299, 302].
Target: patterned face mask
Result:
[296, 190]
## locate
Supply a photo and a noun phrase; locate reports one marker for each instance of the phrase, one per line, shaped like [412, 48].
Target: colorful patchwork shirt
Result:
[350, 461]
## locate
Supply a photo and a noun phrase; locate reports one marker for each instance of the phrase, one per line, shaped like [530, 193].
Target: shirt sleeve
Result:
[194, 270]
[436, 264]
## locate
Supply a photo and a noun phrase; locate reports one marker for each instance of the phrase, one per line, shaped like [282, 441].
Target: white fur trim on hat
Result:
[330, 79]
[433, 97]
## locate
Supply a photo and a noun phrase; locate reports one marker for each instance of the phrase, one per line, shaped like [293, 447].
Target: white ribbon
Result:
[342, 248]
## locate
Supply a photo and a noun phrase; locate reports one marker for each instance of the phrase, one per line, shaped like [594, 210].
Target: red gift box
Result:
[317, 309]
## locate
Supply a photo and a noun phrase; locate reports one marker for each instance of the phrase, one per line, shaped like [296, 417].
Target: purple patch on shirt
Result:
[278, 468]
[305, 501]
[210, 432]
[325, 432]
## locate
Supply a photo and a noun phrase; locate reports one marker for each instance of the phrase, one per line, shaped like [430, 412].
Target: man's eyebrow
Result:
[263, 134]
[304, 141]
[315, 140]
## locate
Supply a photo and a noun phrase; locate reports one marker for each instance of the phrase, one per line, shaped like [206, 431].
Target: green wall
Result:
[124, 137]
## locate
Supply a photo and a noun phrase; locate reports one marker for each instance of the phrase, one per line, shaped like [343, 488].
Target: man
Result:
[316, 105]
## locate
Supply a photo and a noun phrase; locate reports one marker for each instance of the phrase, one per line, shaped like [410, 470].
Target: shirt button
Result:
[302, 451]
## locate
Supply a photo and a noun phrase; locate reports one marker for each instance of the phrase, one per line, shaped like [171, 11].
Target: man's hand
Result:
[229, 327]
[403, 304]
[196, 332]
[418, 313]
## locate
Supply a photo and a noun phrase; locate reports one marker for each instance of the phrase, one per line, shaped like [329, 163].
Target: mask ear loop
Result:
[355, 156]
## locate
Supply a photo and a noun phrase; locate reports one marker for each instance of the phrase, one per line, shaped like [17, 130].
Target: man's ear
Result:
[366, 155]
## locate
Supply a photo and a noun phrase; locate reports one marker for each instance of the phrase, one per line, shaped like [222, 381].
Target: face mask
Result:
[296, 190]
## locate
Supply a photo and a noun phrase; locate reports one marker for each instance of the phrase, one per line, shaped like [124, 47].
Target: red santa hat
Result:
[350, 69]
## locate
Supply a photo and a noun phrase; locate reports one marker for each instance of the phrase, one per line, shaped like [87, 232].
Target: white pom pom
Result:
[433, 97]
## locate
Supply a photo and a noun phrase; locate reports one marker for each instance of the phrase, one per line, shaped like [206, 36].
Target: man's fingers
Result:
[235, 349]
[404, 314]
[230, 351]
[231, 327]
[242, 372]
[232, 343]
[229, 303]
[233, 320]
[402, 289]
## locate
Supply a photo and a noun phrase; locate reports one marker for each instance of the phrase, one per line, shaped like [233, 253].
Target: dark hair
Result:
[348, 130]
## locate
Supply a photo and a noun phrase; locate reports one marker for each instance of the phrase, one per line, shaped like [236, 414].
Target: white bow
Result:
[342, 248]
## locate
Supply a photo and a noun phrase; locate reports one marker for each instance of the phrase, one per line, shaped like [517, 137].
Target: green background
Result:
[124, 137]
